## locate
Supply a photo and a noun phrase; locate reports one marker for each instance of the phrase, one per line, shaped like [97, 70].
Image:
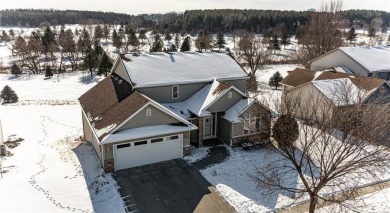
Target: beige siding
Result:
[141, 120]
[121, 71]
[309, 103]
[163, 94]
[90, 136]
[336, 59]
[224, 103]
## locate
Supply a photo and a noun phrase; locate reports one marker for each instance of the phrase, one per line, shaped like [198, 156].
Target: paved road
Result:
[171, 186]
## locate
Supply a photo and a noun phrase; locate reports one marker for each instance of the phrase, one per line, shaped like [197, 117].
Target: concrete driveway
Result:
[171, 186]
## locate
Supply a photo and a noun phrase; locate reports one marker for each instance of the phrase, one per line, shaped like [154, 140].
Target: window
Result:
[175, 137]
[156, 140]
[175, 91]
[230, 95]
[148, 112]
[140, 143]
[251, 124]
[123, 146]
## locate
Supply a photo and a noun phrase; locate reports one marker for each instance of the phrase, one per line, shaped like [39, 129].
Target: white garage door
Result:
[138, 153]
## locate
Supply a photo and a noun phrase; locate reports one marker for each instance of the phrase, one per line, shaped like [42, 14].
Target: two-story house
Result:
[362, 61]
[153, 106]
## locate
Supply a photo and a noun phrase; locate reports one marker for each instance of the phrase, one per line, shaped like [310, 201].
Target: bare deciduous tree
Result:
[342, 143]
[254, 54]
[321, 34]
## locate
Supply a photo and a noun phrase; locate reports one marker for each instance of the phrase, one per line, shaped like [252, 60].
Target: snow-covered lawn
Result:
[64, 87]
[50, 171]
[265, 74]
[231, 179]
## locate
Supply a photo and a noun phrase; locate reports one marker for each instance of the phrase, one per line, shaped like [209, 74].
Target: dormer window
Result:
[148, 112]
[175, 91]
[230, 95]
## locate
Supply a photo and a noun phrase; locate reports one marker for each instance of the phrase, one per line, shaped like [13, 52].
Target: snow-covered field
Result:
[50, 171]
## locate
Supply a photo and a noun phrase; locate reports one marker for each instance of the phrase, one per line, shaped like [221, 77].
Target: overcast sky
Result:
[162, 6]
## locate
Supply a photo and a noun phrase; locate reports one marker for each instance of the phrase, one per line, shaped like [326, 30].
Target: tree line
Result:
[191, 21]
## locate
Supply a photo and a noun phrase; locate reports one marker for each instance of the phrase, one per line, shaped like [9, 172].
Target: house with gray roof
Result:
[153, 107]
[363, 61]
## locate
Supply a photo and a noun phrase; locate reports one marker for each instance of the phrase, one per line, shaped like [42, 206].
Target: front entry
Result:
[209, 127]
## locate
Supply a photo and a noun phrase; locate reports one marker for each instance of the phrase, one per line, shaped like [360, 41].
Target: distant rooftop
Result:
[180, 68]
[374, 59]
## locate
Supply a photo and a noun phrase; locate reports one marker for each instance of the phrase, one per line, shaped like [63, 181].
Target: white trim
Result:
[167, 111]
[158, 106]
[190, 82]
[178, 91]
[222, 94]
[129, 118]
[93, 129]
[213, 124]
[148, 112]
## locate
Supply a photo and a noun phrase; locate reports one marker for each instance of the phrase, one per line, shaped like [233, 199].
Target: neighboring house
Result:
[363, 61]
[155, 105]
[326, 93]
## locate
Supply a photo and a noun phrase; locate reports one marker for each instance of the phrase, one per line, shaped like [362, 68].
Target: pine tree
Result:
[158, 44]
[11, 33]
[106, 32]
[186, 45]
[275, 42]
[8, 95]
[116, 40]
[371, 32]
[220, 40]
[105, 65]
[142, 35]
[275, 79]
[177, 41]
[4, 37]
[48, 72]
[15, 70]
[168, 36]
[351, 35]
[98, 33]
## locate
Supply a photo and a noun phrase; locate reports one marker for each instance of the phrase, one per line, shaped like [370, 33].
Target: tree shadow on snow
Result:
[87, 79]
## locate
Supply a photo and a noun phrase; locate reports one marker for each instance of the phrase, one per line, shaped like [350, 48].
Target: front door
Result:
[209, 127]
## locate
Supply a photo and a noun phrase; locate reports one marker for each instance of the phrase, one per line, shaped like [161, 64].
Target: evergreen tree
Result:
[142, 35]
[4, 37]
[220, 40]
[84, 43]
[106, 32]
[168, 36]
[158, 44]
[186, 45]
[371, 32]
[351, 35]
[105, 65]
[11, 33]
[275, 42]
[15, 70]
[98, 33]
[49, 41]
[8, 95]
[177, 41]
[48, 72]
[116, 40]
[275, 79]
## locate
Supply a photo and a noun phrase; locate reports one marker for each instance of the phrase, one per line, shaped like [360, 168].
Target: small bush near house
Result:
[275, 79]
[8, 95]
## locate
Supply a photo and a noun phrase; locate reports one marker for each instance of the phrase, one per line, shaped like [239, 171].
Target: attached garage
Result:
[147, 151]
